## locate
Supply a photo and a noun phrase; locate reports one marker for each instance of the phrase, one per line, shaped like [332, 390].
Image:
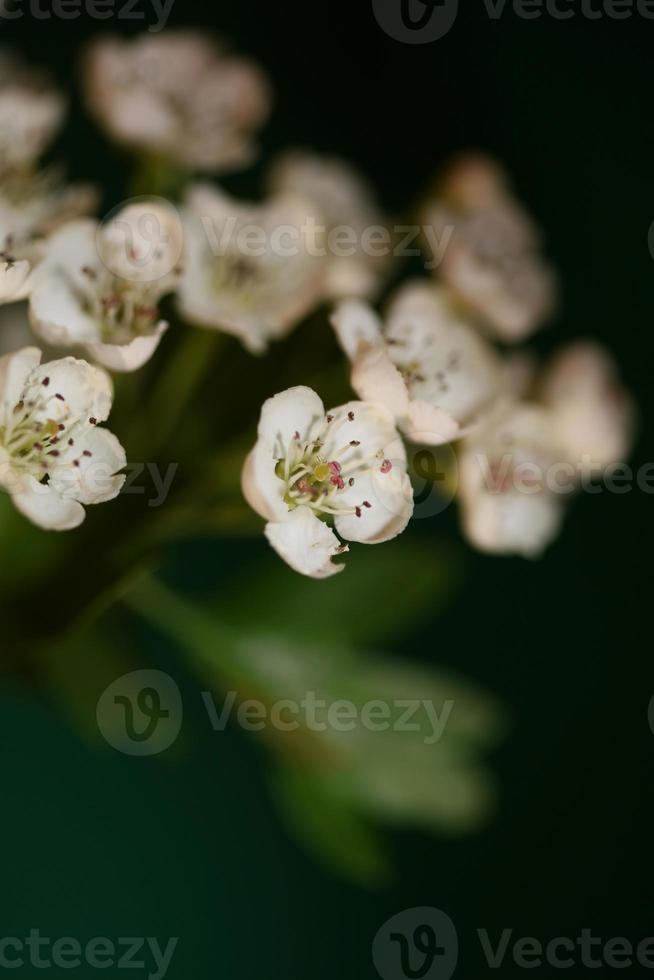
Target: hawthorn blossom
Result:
[508, 501]
[593, 415]
[32, 202]
[345, 202]
[491, 250]
[313, 473]
[426, 365]
[178, 96]
[98, 286]
[248, 268]
[31, 112]
[32, 205]
[54, 459]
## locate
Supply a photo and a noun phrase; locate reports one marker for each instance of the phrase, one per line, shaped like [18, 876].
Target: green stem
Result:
[186, 369]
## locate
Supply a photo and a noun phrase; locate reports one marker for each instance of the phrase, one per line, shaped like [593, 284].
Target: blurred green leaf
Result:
[337, 834]
[337, 781]
[29, 553]
[382, 593]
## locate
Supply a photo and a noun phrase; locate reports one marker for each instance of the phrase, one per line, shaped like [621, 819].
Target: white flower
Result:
[508, 504]
[33, 204]
[177, 95]
[310, 469]
[346, 204]
[30, 115]
[248, 269]
[98, 286]
[53, 459]
[593, 414]
[426, 365]
[16, 332]
[492, 259]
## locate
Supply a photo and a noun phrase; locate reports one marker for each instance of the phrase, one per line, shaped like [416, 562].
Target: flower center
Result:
[42, 430]
[124, 309]
[321, 479]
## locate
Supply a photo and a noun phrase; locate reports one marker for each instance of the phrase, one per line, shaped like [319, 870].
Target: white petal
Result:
[295, 410]
[512, 523]
[306, 543]
[429, 425]
[94, 479]
[46, 508]
[376, 379]
[14, 370]
[593, 414]
[56, 311]
[143, 243]
[13, 280]
[261, 486]
[357, 326]
[371, 425]
[87, 390]
[127, 357]
[390, 496]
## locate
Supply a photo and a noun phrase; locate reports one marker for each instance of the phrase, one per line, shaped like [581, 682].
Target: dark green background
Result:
[97, 844]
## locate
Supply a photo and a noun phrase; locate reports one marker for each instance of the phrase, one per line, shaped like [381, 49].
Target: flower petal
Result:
[127, 357]
[94, 476]
[14, 370]
[306, 544]
[14, 280]
[295, 410]
[376, 379]
[261, 486]
[45, 507]
[357, 326]
[87, 391]
[369, 425]
[390, 497]
[512, 523]
[56, 311]
[429, 425]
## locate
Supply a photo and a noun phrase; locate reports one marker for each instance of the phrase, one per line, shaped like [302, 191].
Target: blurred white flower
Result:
[508, 506]
[492, 260]
[33, 204]
[310, 469]
[179, 96]
[593, 414]
[53, 459]
[427, 366]
[16, 332]
[346, 204]
[98, 286]
[249, 268]
[31, 112]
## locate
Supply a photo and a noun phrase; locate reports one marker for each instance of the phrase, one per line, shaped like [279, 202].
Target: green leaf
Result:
[381, 593]
[332, 830]
[335, 781]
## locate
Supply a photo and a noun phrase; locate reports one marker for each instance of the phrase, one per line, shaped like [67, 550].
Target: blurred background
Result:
[189, 843]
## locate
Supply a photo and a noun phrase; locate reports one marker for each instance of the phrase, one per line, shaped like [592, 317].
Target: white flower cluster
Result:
[429, 370]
